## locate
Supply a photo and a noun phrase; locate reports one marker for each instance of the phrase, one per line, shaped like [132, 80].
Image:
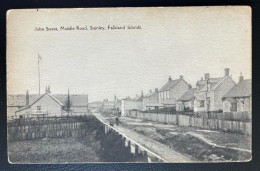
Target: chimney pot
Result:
[241, 77]
[170, 78]
[226, 71]
[181, 77]
[206, 76]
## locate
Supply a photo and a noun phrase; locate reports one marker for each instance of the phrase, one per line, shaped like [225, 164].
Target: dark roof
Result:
[242, 89]
[169, 85]
[188, 95]
[213, 82]
[20, 100]
[76, 99]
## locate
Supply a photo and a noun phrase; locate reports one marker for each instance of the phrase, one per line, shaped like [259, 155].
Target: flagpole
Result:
[39, 75]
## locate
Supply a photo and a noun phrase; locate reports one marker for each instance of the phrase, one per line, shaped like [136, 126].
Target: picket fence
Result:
[191, 121]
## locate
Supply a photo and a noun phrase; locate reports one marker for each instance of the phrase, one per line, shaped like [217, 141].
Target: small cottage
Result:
[186, 102]
[239, 98]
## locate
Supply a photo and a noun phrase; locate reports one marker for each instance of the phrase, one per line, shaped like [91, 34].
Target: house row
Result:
[210, 94]
[46, 105]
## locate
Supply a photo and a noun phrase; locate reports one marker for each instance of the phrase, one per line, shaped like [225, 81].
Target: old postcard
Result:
[129, 85]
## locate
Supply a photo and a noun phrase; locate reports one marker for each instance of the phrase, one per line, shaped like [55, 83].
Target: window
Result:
[233, 106]
[38, 107]
[201, 103]
[168, 95]
[242, 105]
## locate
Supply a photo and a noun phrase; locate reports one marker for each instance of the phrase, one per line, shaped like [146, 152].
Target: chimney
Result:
[206, 76]
[156, 90]
[46, 90]
[49, 89]
[170, 78]
[27, 99]
[226, 71]
[241, 77]
[201, 79]
[150, 91]
[181, 77]
[190, 86]
[142, 94]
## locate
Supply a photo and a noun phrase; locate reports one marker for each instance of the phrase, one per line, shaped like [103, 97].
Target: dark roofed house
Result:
[172, 91]
[186, 101]
[239, 98]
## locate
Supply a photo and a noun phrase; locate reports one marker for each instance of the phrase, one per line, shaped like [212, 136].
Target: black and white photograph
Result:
[131, 85]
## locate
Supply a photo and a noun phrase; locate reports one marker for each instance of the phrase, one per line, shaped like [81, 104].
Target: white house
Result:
[46, 105]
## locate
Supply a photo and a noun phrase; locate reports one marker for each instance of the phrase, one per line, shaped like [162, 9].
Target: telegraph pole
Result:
[39, 75]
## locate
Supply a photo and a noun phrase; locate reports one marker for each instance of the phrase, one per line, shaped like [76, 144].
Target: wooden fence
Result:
[51, 127]
[200, 122]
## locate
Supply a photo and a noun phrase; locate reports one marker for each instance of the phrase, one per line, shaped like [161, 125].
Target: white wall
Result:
[129, 105]
[49, 105]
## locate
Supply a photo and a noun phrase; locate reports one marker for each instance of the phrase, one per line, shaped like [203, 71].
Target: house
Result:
[79, 102]
[46, 105]
[186, 101]
[151, 100]
[239, 98]
[172, 91]
[17, 102]
[130, 104]
[209, 93]
[108, 106]
[118, 105]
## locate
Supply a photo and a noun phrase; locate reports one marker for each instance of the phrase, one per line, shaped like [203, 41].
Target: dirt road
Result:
[154, 146]
[184, 144]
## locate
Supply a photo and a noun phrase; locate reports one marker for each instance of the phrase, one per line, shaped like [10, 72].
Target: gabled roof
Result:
[39, 99]
[242, 89]
[50, 96]
[170, 84]
[20, 100]
[213, 82]
[188, 95]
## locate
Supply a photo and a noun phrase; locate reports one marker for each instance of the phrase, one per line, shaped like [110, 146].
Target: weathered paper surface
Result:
[129, 71]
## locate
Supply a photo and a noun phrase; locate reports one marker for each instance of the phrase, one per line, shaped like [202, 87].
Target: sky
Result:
[172, 42]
